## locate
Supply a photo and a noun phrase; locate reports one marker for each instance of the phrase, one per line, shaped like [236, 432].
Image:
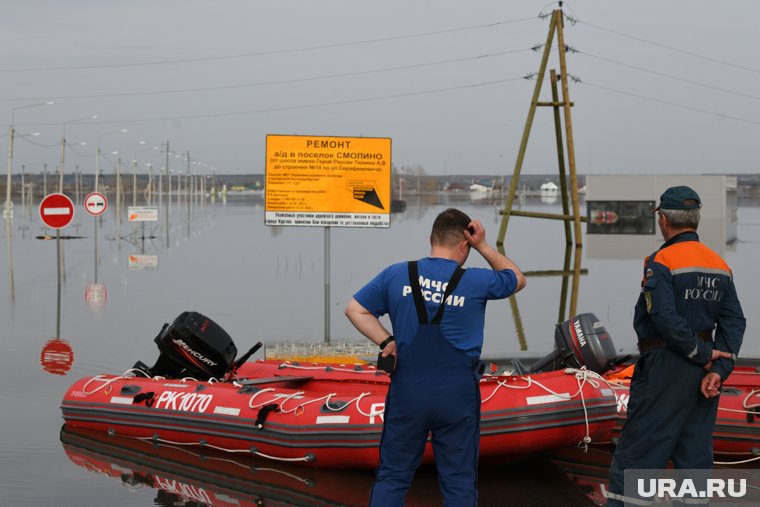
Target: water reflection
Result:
[9, 250]
[95, 293]
[266, 283]
[57, 357]
[143, 258]
[588, 470]
[569, 286]
[182, 475]
[715, 232]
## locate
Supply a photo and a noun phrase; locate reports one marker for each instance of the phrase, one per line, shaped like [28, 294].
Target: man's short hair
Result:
[682, 218]
[449, 226]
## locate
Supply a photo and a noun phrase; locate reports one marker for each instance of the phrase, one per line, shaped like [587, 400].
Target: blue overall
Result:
[687, 297]
[434, 391]
[663, 422]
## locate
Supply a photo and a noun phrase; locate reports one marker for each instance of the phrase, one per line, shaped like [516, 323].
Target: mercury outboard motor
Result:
[580, 341]
[192, 346]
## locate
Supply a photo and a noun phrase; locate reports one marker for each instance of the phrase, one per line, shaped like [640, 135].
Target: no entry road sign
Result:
[56, 211]
[95, 204]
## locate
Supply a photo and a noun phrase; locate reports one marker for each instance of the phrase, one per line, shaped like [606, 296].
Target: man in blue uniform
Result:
[690, 327]
[437, 311]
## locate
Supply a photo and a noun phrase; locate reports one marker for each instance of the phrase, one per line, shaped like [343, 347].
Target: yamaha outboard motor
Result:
[192, 346]
[580, 341]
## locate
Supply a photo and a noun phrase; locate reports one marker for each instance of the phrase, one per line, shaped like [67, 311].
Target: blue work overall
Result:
[434, 391]
[663, 423]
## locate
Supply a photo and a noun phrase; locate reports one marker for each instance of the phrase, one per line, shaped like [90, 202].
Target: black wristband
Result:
[387, 341]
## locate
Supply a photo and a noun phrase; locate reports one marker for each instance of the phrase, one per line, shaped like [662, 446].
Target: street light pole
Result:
[168, 197]
[11, 133]
[150, 183]
[63, 148]
[97, 167]
[134, 183]
[97, 154]
[118, 188]
[8, 203]
[60, 167]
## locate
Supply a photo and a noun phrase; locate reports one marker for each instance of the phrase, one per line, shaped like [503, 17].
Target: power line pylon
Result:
[555, 27]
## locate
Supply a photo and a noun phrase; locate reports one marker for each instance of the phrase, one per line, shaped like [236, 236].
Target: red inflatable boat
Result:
[330, 415]
[321, 415]
[737, 427]
[583, 343]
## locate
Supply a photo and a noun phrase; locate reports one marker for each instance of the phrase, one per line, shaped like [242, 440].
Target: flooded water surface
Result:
[117, 283]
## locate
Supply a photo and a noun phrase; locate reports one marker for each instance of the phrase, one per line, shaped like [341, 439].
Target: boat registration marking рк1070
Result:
[188, 402]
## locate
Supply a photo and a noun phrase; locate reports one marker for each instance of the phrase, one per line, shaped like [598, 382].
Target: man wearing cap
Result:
[690, 327]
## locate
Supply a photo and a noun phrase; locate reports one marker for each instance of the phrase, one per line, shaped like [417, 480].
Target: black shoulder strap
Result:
[419, 303]
[453, 282]
[414, 282]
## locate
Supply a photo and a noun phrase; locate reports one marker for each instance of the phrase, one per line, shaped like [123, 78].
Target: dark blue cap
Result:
[681, 197]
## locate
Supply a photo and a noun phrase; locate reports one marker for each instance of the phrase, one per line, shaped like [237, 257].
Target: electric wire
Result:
[669, 76]
[83, 155]
[295, 107]
[271, 52]
[671, 48]
[275, 82]
[37, 144]
[672, 104]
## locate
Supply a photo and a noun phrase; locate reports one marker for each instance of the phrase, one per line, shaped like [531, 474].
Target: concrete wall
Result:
[717, 226]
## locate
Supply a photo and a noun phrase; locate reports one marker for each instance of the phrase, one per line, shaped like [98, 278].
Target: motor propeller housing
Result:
[580, 341]
[193, 346]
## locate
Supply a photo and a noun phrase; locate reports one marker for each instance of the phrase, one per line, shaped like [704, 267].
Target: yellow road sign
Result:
[328, 181]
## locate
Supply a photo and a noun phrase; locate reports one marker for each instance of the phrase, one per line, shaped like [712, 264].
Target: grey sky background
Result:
[665, 87]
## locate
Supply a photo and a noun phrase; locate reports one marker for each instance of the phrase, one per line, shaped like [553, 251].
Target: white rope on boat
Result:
[582, 376]
[256, 394]
[358, 408]
[282, 399]
[737, 462]
[131, 373]
[98, 378]
[748, 410]
[107, 381]
[752, 393]
[302, 405]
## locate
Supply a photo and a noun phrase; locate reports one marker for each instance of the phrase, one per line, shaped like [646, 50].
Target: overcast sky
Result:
[665, 87]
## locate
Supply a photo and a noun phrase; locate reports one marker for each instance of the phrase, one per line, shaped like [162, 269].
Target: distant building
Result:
[454, 186]
[549, 188]
[606, 193]
[482, 186]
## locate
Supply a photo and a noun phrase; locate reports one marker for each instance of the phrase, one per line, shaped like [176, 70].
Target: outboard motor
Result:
[580, 341]
[192, 346]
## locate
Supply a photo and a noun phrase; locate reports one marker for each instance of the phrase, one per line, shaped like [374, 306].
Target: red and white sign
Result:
[56, 211]
[138, 262]
[95, 295]
[95, 204]
[57, 357]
